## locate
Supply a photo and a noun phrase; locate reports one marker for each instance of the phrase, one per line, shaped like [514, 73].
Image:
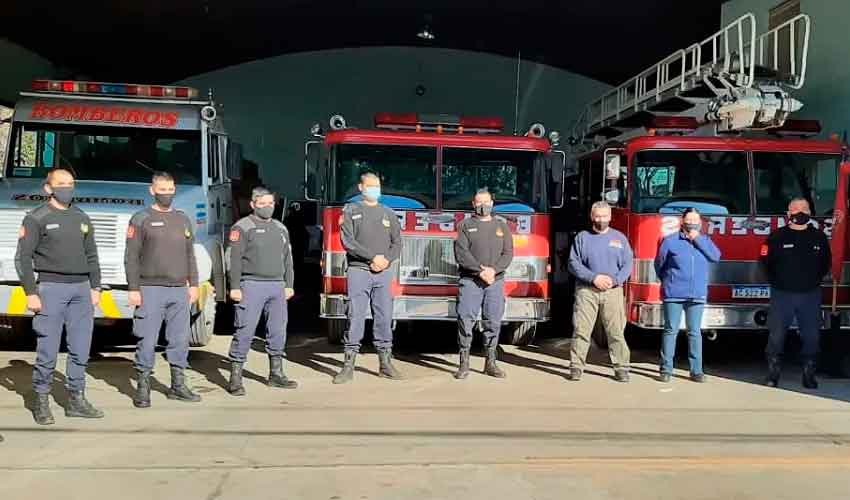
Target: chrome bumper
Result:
[728, 316]
[438, 308]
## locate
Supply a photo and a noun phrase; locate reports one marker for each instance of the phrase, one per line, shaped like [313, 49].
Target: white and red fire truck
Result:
[113, 136]
[430, 166]
[708, 127]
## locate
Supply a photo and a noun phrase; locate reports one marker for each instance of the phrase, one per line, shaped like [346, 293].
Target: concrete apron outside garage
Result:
[534, 435]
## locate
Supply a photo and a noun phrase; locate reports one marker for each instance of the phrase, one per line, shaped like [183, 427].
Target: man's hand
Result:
[236, 295]
[487, 275]
[289, 293]
[692, 235]
[95, 298]
[193, 294]
[603, 282]
[134, 298]
[33, 303]
[380, 262]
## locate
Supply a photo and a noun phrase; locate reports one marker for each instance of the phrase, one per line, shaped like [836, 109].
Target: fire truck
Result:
[708, 127]
[430, 166]
[113, 137]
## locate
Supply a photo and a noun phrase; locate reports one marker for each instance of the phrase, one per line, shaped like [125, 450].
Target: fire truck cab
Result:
[113, 137]
[430, 167]
[708, 127]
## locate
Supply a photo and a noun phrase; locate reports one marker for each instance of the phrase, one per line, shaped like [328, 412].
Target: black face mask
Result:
[800, 218]
[600, 226]
[63, 195]
[164, 200]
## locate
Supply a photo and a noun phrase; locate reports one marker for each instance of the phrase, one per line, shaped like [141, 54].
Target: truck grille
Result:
[427, 261]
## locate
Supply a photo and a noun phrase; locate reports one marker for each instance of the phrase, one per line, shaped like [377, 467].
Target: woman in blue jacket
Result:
[682, 265]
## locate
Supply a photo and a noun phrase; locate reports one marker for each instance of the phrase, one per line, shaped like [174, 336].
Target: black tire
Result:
[335, 330]
[519, 333]
[599, 338]
[203, 324]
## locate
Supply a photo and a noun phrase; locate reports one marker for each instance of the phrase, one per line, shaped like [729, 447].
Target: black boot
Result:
[234, 386]
[809, 380]
[41, 410]
[78, 406]
[490, 366]
[142, 399]
[386, 369]
[774, 367]
[276, 376]
[179, 390]
[347, 372]
[463, 365]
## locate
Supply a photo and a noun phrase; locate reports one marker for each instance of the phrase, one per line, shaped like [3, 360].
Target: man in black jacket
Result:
[797, 257]
[56, 240]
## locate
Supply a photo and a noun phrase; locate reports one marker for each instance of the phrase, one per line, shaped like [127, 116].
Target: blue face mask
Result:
[372, 193]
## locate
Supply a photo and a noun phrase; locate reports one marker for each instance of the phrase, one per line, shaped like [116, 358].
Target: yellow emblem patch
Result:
[386, 222]
[187, 233]
[84, 228]
[499, 232]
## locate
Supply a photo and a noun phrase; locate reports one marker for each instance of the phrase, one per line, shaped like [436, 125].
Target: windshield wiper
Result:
[145, 167]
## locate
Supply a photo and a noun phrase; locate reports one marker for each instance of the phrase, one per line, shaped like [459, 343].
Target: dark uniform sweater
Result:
[160, 250]
[260, 250]
[796, 261]
[368, 231]
[58, 245]
[483, 243]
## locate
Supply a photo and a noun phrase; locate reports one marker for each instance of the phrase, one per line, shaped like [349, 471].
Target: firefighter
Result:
[261, 278]
[601, 261]
[483, 251]
[162, 279]
[797, 257]
[371, 236]
[56, 240]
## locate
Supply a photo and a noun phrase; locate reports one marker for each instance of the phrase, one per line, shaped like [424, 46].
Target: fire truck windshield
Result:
[779, 177]
[714, 182]
[510, 176]
[105, 153]
[408, 174]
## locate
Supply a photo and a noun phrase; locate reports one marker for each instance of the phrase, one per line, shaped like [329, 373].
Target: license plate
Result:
[750, 292]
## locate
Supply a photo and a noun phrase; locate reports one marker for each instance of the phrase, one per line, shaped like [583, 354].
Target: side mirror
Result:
[312, 151]
[612, 164]
[234, 160]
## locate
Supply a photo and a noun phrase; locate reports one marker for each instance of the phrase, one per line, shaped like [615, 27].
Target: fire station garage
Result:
[424, 250]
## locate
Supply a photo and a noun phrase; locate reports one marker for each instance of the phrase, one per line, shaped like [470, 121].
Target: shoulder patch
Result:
[84, 228]
[22, 233]
[245, 224]
[234, 235]
[131, 232]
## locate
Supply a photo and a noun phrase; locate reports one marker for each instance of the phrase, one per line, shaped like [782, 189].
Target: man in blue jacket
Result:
[682, 266]
[601, 261]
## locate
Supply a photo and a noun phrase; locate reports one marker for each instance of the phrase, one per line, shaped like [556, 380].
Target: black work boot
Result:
[809, 380]
[234, 386]
[347, 372]
[575, 373]
[179, 390]
[386, 369]
[774, 368]
[463, 365]
[142, 399]
[621, 374]
[276, 376]
[79, 406]
[490, 366]
[41, 410]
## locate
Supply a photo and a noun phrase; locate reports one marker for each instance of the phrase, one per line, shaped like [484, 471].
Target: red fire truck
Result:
[708, 127]
[430, 166]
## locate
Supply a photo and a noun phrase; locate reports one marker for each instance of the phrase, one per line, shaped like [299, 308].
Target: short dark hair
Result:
[161, 176]
[690, 210]
[260, 191]
[58, 169]
[484, 190]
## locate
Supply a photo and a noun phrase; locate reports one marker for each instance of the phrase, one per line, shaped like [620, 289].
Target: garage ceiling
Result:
[160, 41]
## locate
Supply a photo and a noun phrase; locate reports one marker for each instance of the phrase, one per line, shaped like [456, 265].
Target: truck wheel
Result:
[203, 324]
[335, 330]
[519, 332]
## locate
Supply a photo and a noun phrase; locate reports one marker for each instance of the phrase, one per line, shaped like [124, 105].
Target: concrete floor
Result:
[534, 435]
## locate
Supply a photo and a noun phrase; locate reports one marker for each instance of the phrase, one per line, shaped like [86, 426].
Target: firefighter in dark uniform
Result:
[483, 251]
[797, 258]
[371, 236]
[162, 279]
[56, 240]
[261, 281]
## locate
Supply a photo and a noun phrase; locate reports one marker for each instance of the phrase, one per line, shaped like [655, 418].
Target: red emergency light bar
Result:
[438, 123]
[114, 89]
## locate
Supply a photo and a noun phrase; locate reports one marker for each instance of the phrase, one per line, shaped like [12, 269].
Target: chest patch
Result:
[473, 230]
[157, 224]
[615, 244]
[788, 245]
[356, 216]
[261, 231]
[51, 226]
